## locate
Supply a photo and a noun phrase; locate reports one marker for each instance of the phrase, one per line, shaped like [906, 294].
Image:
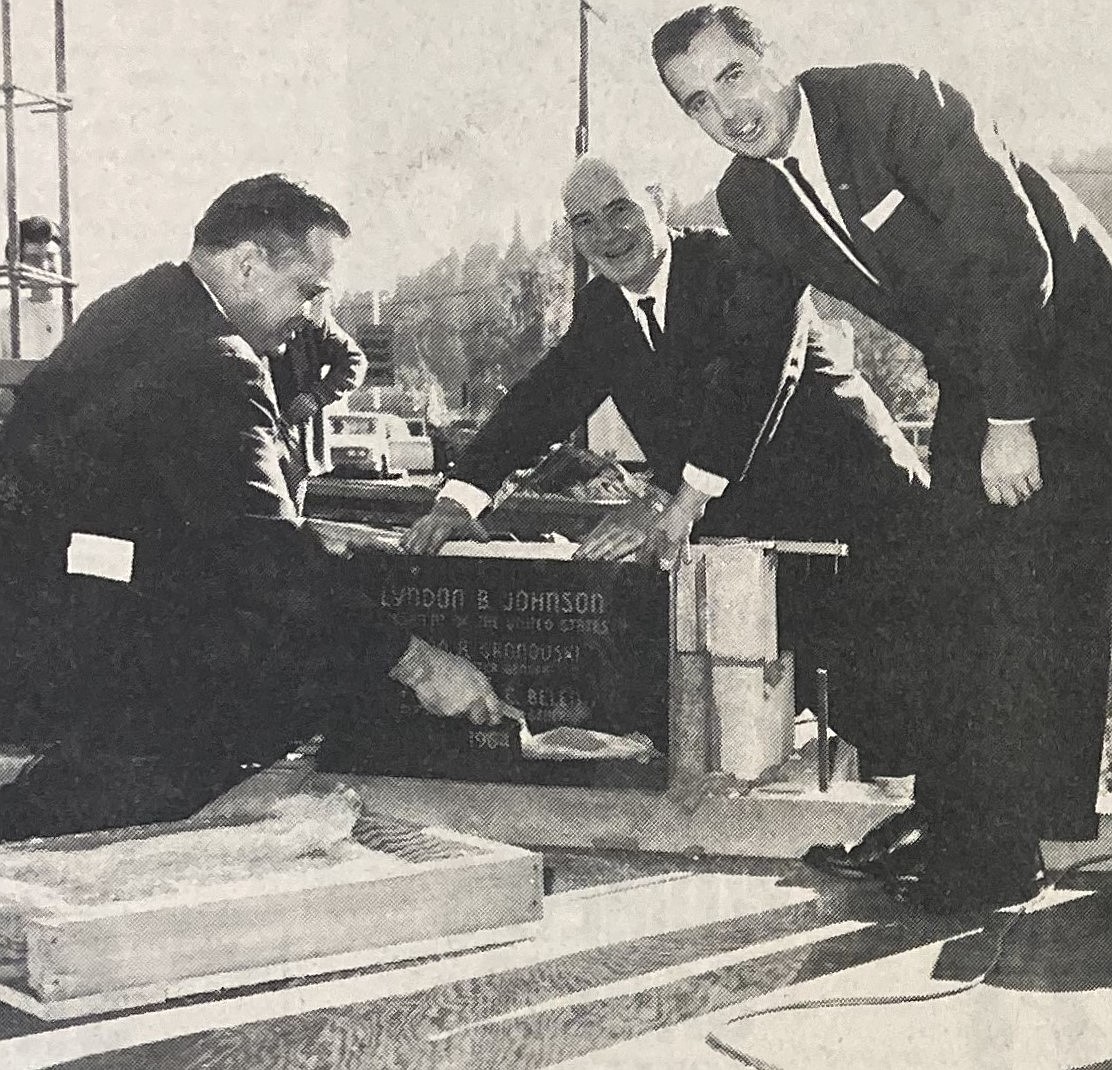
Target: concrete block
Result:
[753, 717]
[741, 602]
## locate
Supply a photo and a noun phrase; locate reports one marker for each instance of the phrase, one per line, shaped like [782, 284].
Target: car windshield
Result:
[354, 425]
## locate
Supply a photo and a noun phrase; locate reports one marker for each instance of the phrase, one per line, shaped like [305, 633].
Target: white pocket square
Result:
[874, 218]
[100, 555]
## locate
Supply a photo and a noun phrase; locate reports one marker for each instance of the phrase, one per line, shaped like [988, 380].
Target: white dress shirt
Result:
[475, 500]
[805, 148]
[658, 291]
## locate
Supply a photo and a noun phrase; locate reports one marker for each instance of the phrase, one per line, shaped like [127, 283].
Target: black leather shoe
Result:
[884, 852]
[943, 884]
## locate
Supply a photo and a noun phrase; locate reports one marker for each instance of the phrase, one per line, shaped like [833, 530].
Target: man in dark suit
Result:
[885, 188]
[162, 606]
[317, 365]
[709, 386]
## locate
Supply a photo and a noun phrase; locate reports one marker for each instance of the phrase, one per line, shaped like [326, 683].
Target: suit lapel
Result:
[842, 171]
[619, 323]
[678, 311]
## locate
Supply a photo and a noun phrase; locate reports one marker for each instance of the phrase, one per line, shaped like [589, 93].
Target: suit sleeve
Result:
[543, 408]
[242, 541]
[999, 270]
[761, 306]
[214, 445]
[830, 353]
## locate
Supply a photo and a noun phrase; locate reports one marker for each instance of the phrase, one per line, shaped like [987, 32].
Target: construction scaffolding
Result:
[14, 274]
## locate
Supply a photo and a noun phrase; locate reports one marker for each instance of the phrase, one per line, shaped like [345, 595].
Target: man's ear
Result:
[248, 257]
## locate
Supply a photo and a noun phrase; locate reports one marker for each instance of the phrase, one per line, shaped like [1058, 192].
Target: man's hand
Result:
[657, 530]
[301, 409]
[447, 519]
[625, 530]
[671, 538]
[1010, 464]
[449, 686]
[669, 541]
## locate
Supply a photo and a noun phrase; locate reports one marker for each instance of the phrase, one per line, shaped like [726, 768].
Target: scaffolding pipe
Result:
[12, 249]
[60, 88]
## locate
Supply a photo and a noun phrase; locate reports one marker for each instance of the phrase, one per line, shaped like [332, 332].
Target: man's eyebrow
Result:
[735, 65]
[730, 68]
[689, 102]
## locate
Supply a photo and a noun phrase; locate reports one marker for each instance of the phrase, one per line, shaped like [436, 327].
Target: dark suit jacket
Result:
[152, 414]
[715, 397]
[991, 268]
[154, 421]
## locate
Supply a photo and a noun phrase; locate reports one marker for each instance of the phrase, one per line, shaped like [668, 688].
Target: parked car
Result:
[378, 444]
[410, 448]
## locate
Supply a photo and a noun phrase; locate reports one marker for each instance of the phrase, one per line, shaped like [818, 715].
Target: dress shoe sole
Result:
[929, 897]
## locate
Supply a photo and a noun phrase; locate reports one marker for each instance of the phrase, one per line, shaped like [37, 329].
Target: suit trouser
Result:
[866, 626]
[861, 618]
[1020, 612]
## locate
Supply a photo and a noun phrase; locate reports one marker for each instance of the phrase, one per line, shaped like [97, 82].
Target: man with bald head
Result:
[764, 412]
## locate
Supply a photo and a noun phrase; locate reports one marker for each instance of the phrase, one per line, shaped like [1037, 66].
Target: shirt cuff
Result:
[470, 497]
[705, 482]
[1010, 423]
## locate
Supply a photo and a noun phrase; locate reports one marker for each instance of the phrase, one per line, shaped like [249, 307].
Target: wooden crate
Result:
[461, 892]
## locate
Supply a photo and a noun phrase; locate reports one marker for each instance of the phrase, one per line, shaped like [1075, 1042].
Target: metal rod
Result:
[29, 273]
[823, 702]
[582, 130]
[13, 250]
[783, 546]
[34, 98]
[60, 87]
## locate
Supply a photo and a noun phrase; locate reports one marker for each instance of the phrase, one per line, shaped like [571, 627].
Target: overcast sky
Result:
[432, 121]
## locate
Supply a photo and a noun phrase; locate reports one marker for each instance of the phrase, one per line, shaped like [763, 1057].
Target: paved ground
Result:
[639, 958]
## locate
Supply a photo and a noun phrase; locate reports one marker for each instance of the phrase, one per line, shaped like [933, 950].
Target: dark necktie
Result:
[656, 335]
[791, 165]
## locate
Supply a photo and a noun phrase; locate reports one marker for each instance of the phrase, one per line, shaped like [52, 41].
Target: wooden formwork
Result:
[459, 892]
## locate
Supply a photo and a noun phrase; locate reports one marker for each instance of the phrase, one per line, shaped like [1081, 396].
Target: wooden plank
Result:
[689, 693]
[629, 917]
[753, 825]
[91, 951]
[688, 580]
[457, 884]
[161, 992]
[512, 551]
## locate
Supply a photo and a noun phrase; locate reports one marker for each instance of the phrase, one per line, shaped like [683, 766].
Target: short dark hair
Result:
[35, 229]
[675, 36]
[274, 210]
